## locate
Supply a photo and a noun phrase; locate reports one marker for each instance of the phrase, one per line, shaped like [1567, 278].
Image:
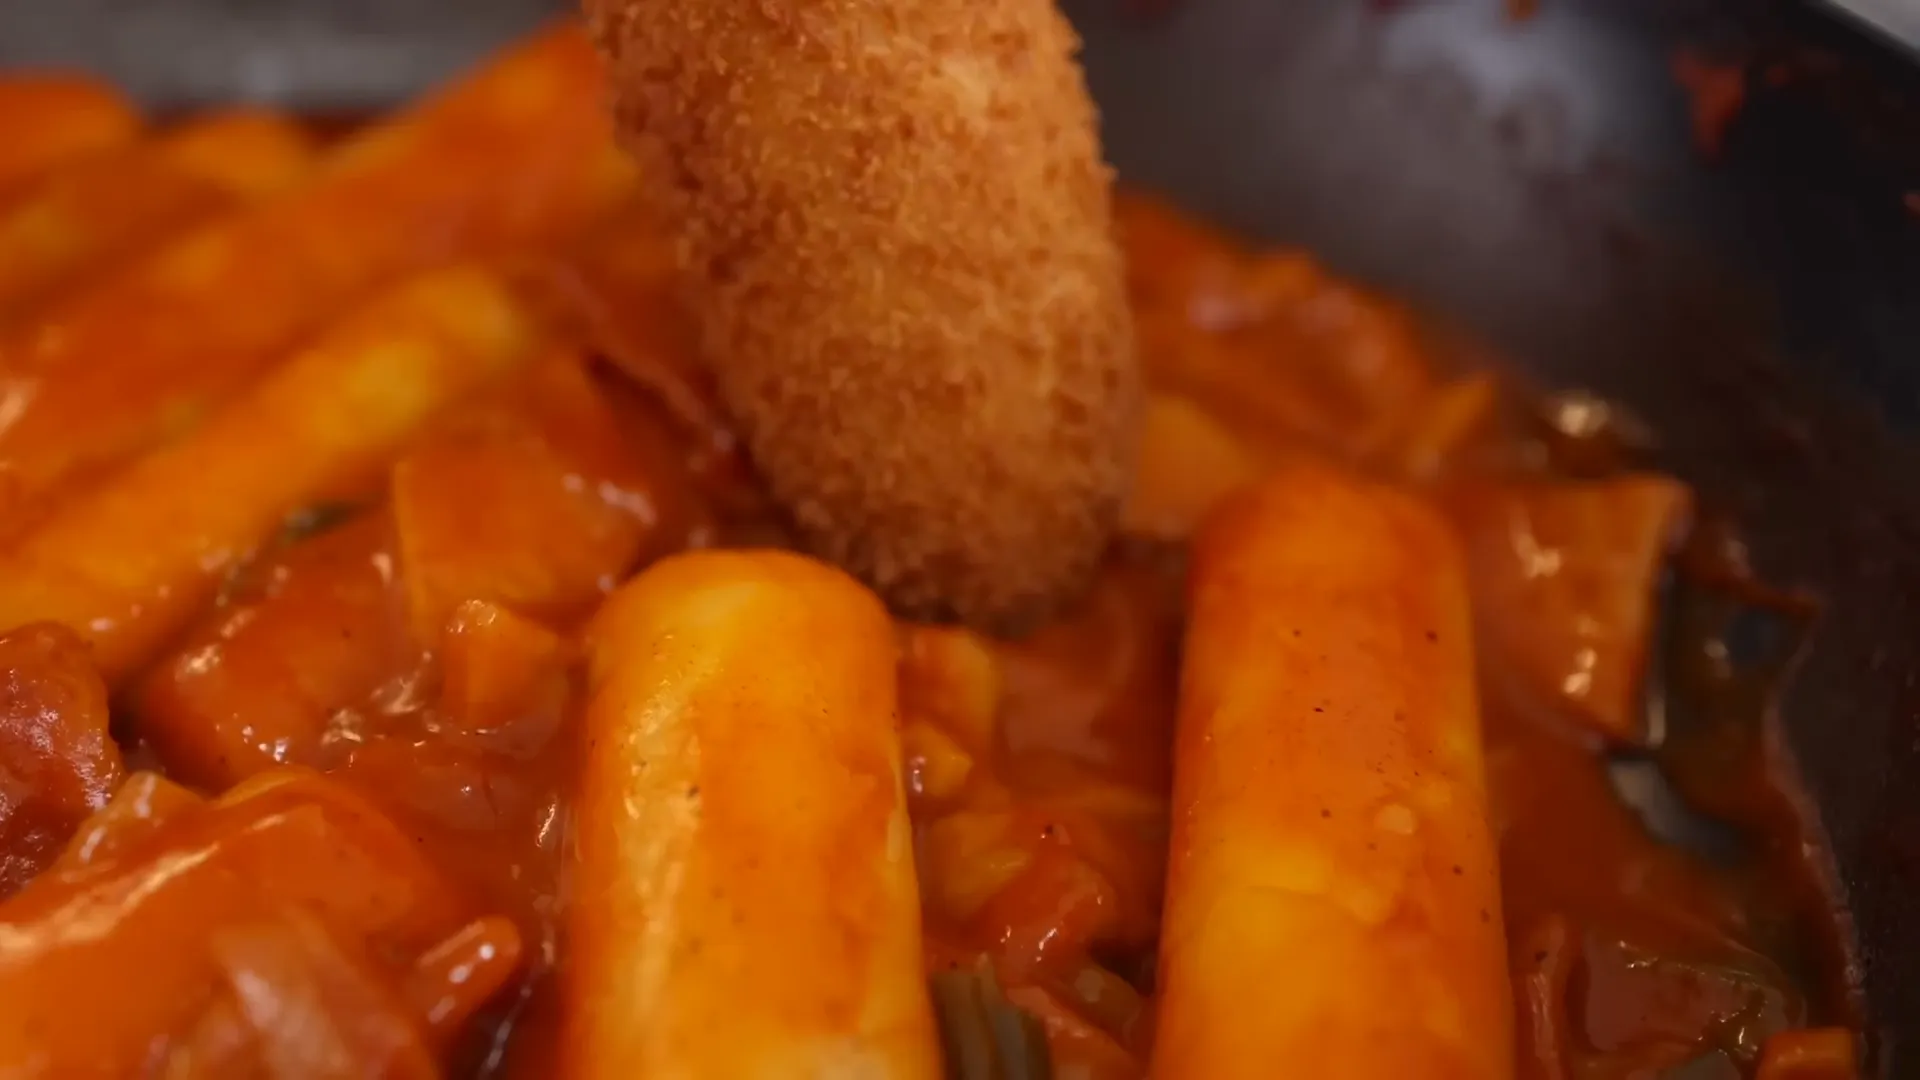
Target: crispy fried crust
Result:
[897, 228]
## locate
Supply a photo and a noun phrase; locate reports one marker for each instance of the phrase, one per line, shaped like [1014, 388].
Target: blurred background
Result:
[339, 54]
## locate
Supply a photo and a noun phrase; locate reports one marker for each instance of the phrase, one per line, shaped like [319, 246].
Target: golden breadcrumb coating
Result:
[897, 234]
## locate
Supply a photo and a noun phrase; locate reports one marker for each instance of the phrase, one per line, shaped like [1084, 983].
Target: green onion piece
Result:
[313, 520]
[985, 1036]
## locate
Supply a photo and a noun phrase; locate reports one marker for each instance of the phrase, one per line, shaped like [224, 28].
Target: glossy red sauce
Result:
[414, 645]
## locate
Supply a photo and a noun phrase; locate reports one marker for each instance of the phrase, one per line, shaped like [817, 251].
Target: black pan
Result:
[1753, 292]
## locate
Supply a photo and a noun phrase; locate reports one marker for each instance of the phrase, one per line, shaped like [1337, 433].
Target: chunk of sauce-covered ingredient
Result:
[57, 762]
[743, 897]
[286, 922]
[1329, 797]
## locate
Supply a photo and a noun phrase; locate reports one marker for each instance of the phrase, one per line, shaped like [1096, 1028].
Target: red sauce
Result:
[1039, 770]
[1716, 93]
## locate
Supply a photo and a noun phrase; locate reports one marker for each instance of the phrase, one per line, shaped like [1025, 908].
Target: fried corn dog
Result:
[1333, 904]
[743, 897]
[896, 223]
